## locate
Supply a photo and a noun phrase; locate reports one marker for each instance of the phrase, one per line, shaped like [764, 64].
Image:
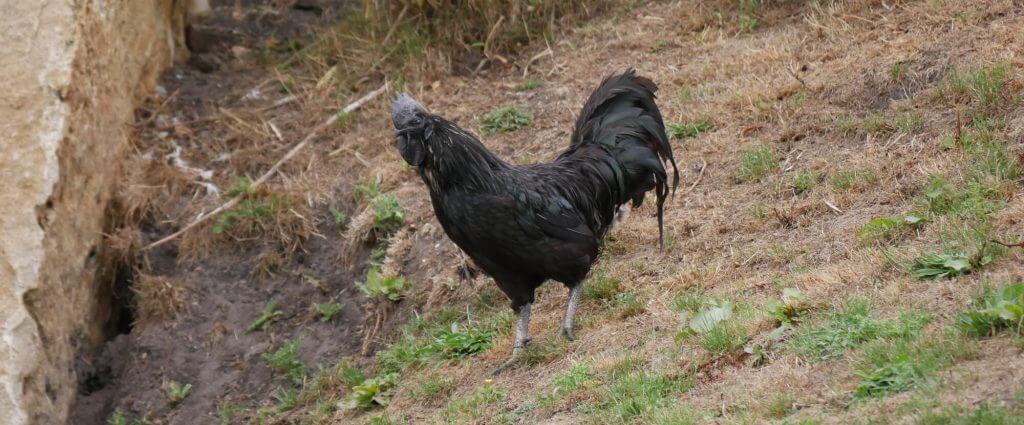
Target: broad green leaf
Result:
[708, 318]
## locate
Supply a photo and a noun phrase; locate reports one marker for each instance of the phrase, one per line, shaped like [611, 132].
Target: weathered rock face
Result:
[71, 72]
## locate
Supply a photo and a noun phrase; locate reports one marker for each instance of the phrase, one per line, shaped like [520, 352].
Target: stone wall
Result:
[71, 73]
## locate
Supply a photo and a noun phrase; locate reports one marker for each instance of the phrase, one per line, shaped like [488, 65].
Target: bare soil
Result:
[207, 344]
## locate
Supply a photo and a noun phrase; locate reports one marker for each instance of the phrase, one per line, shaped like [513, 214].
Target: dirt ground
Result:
[219, 294]
[786, 84]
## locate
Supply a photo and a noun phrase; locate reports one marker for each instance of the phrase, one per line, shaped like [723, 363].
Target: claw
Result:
[568, 334]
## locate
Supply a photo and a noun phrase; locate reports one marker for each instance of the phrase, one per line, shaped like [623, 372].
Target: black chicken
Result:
[526, 224]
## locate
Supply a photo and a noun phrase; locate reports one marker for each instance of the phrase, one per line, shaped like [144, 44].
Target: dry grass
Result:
[418, 41]
[784, 85]
[782, 76]
[157, 299]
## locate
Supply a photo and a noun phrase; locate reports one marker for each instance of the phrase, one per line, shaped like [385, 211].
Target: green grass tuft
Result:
[377, 285]
[475, 405]
[756, 163]
[326, 311]
[854, 179]
[286, 363]
[270, 313]
[893, 366]
[504, 120]
[804, 181]
[602, 287]
[848, 328]
[689, 130]
[388, 214]
[529, 84]
[984, 87]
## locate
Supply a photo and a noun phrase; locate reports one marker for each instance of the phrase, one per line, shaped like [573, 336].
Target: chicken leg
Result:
[522, 338]
[570, 312]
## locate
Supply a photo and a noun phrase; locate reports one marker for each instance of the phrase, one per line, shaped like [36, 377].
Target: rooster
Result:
[525, 224]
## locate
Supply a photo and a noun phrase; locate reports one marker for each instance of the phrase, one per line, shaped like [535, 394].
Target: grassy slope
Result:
[822, 117]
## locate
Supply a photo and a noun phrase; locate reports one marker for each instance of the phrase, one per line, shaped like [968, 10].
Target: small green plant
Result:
[434, 387]
[986, 414]
[898, 71]
[577, 377]
[377, 285]
[326, 311]
[240, 186]
[894, 377]
[632, 396]
[788, 308]
[756, 163]
[456, 343]
[270, 313]
[892, 366]
[888, 229]
[602, 288]
[689, 130]
[388, 214]
[758, 211]
[711, 325]
[374, 391]
[628, 304]
[849, 179]
[177, 392]
[286, 363]
[710, 316]
[748, 15]
[937, 266]
[227, 412]
[338, 216]
[995, 310]
[475, 405]
[118, 418]
[779, 406]
[804, 181]
[367, 189]
[348, 374]
[382, 420]
[850, 327]
[255, 209]
[909, 122]
[503, 120]
[378, 254]
[528, 84]
[689, 301]
[725, 338]
[981, 86]
[344, 119]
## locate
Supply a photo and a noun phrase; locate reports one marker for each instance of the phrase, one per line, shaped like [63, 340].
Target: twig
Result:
[490, 37]
[295, 150]
[394, 26]
[834, 208]
[546, 52]
[703, 165]
[156, 112]
[280, 102]
[1009, 245]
